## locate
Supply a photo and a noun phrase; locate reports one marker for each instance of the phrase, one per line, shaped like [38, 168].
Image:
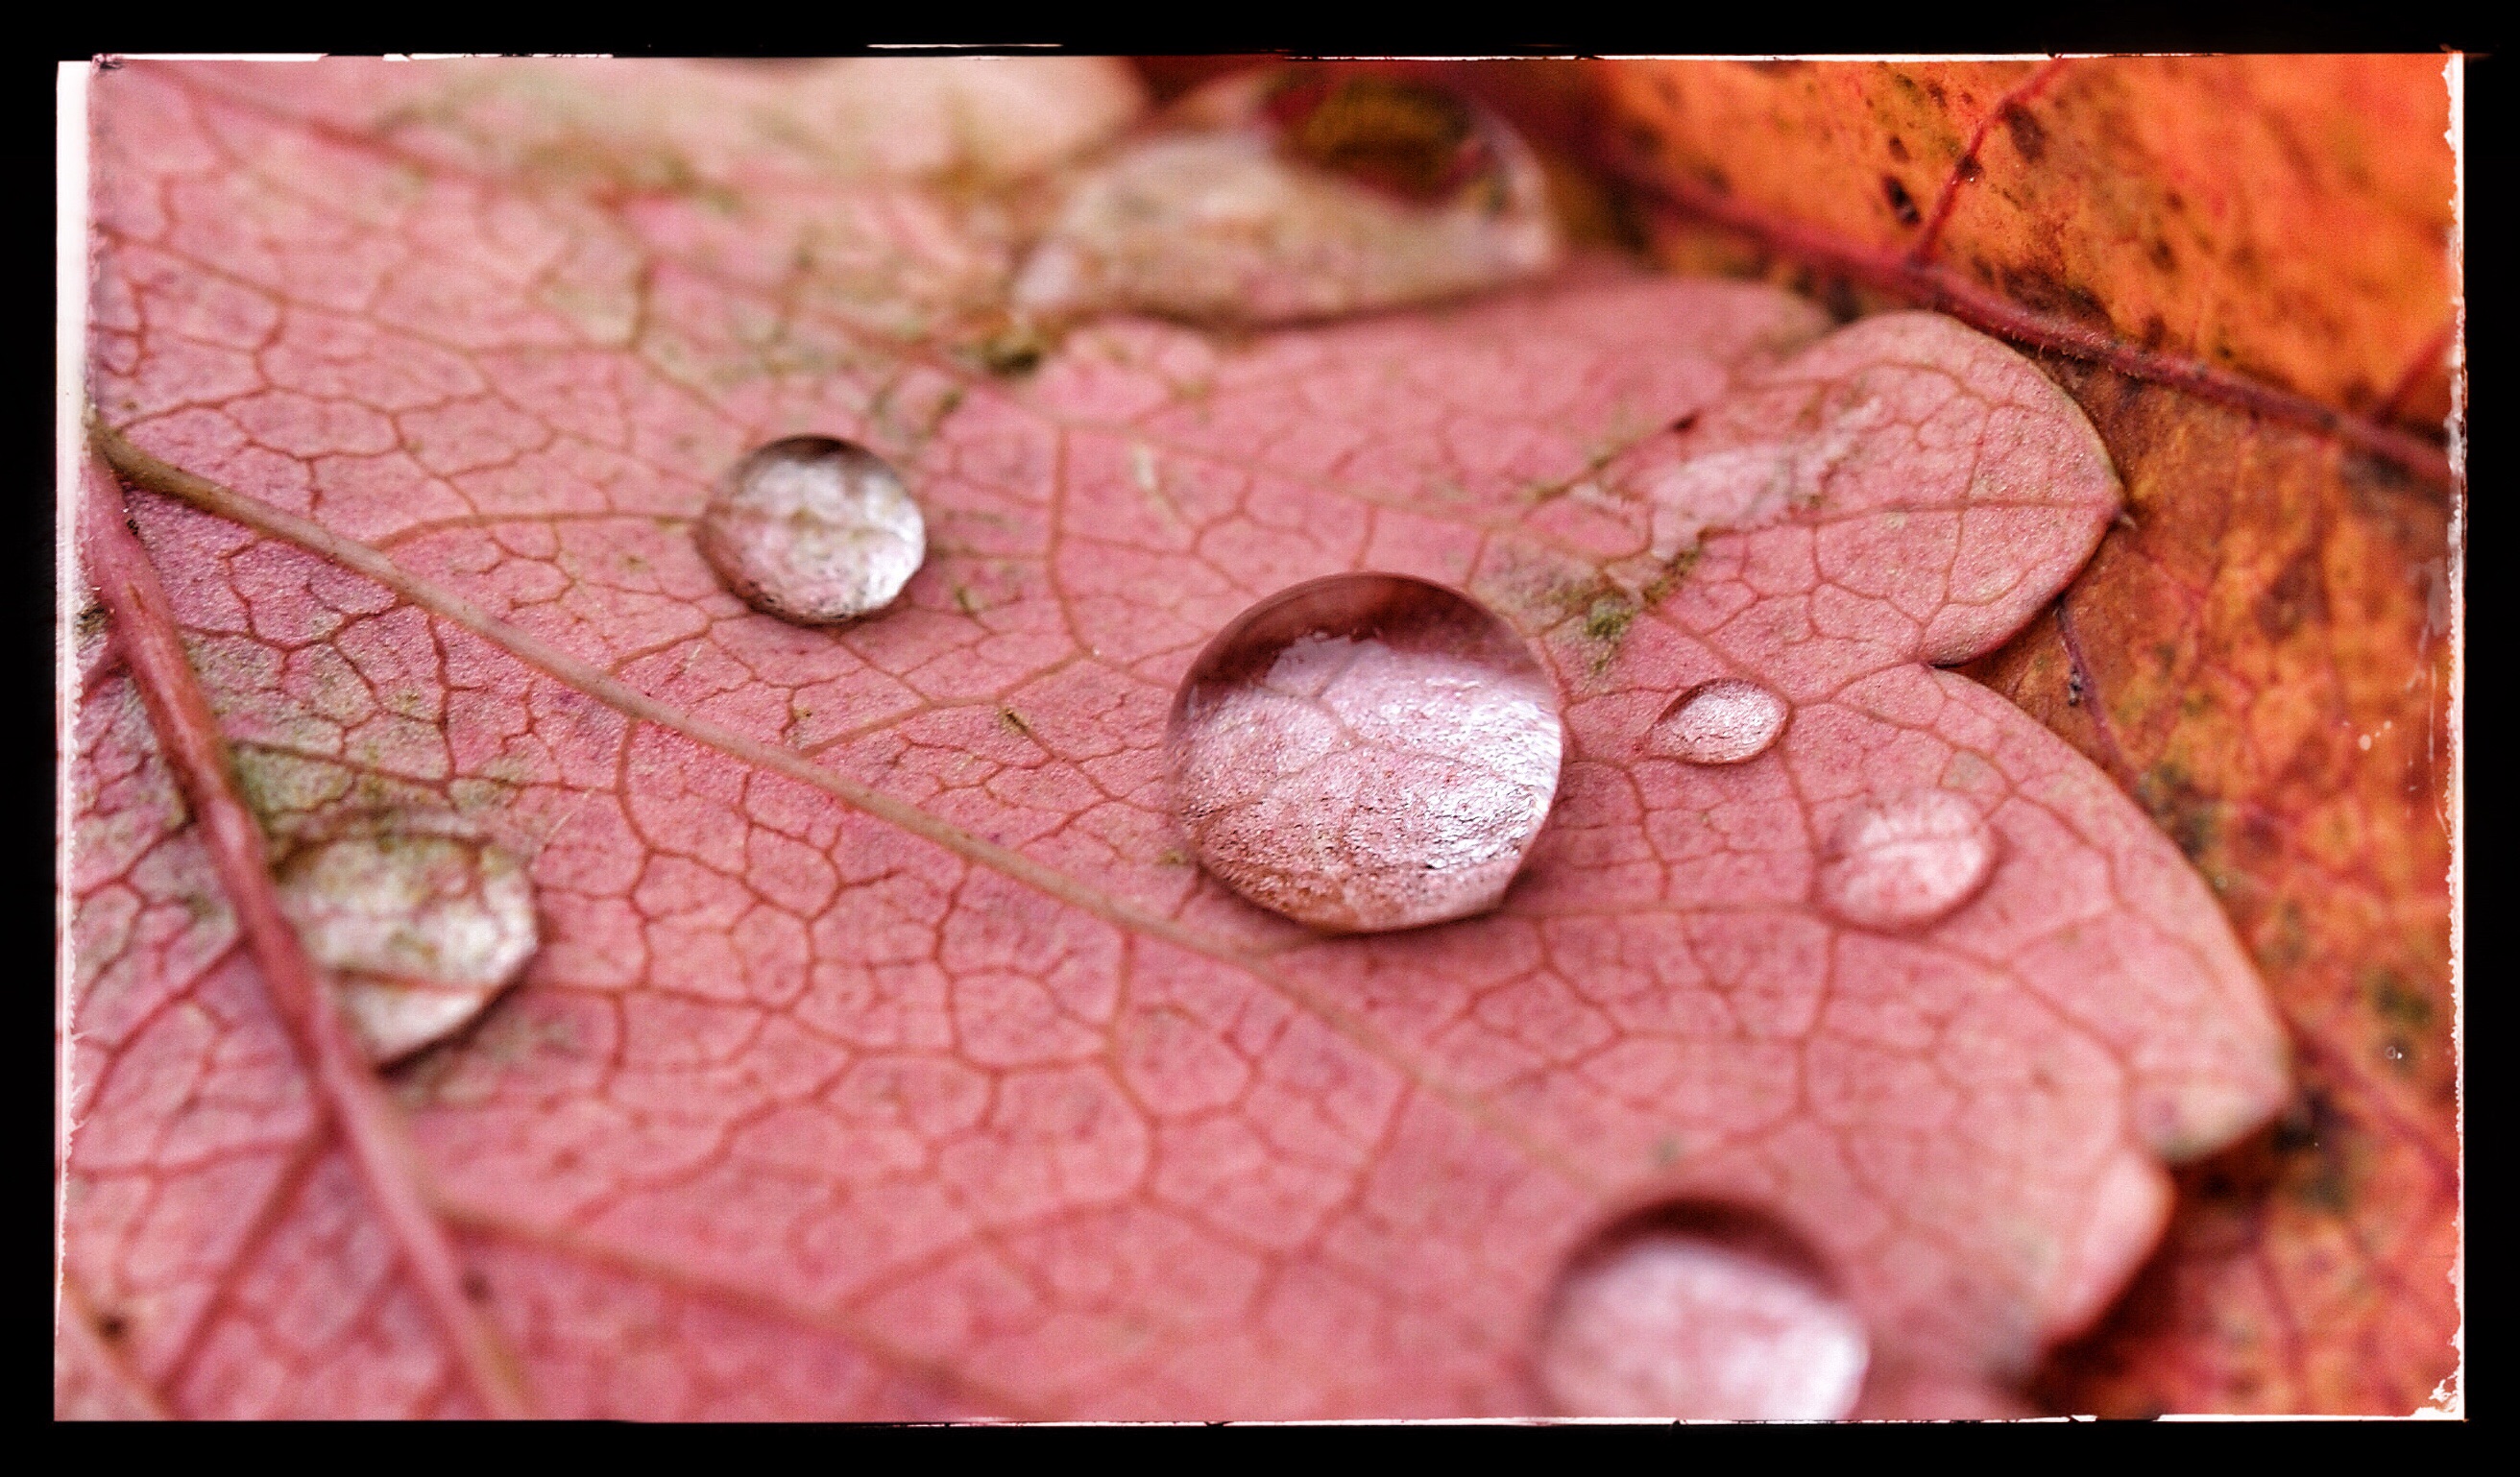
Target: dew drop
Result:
[1700, 1322]
[422, 919]
[1366, 752]
[1726, 721]
[814, 530]
[1906, 860]
[1275, 197]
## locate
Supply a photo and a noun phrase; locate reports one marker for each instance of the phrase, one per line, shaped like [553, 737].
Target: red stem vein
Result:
[1971, 161]
[379, 1144]
[1935, 287]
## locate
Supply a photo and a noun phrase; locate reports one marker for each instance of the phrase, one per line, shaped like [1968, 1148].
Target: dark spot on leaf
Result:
[1776, 68]
[2028, 135]
[2189, 815]
[1969, 169]
[1014, 722]
[2396, 1000]
[1934, 90]
[2297, 595]
[2259, 838]
[1898, 149]
[2364, 470]
[2161, 254]
[476, 1287]
[2287, 941]
[1666, 89]
[2298, 1129]
[2034, 289]
[1017, 350]
[1414, 141]
[1685, 421]
[112, 1328]
[1643, 138]
[1901, 204]
[2308, 1145]
[2156, 333]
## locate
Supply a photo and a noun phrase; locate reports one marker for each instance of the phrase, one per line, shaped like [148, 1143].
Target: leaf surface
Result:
[883, 1056]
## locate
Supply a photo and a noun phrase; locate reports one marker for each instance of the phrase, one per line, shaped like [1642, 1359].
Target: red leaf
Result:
[882, 1056]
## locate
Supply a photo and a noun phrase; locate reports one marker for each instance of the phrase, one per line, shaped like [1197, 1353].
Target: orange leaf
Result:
[2259, 651]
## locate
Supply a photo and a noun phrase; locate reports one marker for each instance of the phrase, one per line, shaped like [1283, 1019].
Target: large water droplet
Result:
[422, 919]
[1366, 752]
[1906, 860]
[1691, 1324]
[813, 529]
[1722, 721]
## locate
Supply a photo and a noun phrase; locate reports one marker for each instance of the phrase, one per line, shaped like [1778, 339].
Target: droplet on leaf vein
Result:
[813, 529]
[1366, 752]
[1727, 721]
[1906, 860]
[422, 921]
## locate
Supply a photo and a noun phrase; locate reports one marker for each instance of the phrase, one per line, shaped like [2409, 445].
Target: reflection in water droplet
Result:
[1721, 721]
[1684, 1327]
[814, 530]
[1266, 199]
[1366, 752]
[1906, 860]
[422, 919]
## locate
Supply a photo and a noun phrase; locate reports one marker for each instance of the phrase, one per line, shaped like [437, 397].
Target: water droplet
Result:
[422, 919]
[813, 529]
[1906, 860]
[1273, 196]
[1366, 752]
[1700, 1323]
[1722, 721]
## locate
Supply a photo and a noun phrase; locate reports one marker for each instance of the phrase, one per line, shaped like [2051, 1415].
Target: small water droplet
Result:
[422, 919]
[1726, 721]
[1906, 860]
[1698, 1324]
[1366, 752]
[814, 530]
